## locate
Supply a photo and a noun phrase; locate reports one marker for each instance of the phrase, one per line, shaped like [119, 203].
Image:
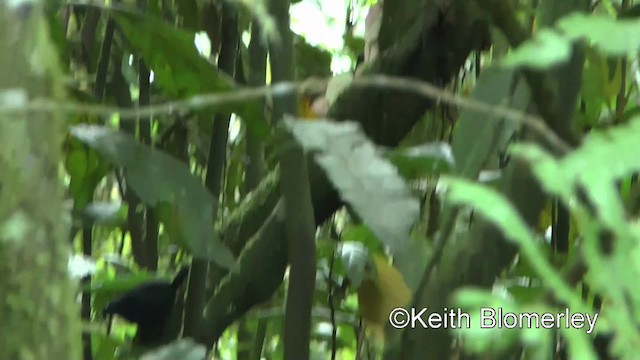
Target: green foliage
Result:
[188, 10]
[549, 47]
[479, 136]
[179, 68]
[171, 53]
[595, 181]
[363, 234]
[86, 170]
[354, 44]
[498, 210]
[613, 37]
[157, 177]
[311, 61]
[599, 87]
[590, 175]
[484, 340]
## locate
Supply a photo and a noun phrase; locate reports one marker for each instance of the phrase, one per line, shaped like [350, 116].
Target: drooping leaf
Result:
[421, 160]
[178, 66]
[171, 53]
[366, 180]
[157, 177]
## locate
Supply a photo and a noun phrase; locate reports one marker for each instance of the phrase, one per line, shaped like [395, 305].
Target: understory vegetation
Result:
[274, 179]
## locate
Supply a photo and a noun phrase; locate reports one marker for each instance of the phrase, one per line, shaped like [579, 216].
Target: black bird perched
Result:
[148, 305]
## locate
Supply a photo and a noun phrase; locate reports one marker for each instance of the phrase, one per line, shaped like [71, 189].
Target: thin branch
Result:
[332, 308]
[426, 89]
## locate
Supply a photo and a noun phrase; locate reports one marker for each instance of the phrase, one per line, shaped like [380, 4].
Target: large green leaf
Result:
[366, 180]
[157, 177]
[179, 68]
[613, 37]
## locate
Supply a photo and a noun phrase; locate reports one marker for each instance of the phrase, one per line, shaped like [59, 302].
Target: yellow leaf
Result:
[379, 295]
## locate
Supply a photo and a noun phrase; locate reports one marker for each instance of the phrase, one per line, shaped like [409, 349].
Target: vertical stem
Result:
[194, 303]
[300, 222]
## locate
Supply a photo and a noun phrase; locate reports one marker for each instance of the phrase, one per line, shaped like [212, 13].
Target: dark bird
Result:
[148, 305]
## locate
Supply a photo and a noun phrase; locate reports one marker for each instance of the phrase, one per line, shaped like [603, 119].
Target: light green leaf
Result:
[613, 37]
[494, 207]
[579, 344]
[547, 49]
[602, 159]
[479, 304]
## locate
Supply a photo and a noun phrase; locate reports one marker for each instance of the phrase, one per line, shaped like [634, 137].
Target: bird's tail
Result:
[180, 277]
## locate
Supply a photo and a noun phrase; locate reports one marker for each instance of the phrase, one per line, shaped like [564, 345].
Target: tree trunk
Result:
[38, 313]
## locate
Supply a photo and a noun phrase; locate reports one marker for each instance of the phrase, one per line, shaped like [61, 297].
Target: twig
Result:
[498, 112]
[428, 90]
[332, 309]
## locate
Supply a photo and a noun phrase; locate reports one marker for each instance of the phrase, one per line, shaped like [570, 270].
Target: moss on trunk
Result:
[39, 317]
